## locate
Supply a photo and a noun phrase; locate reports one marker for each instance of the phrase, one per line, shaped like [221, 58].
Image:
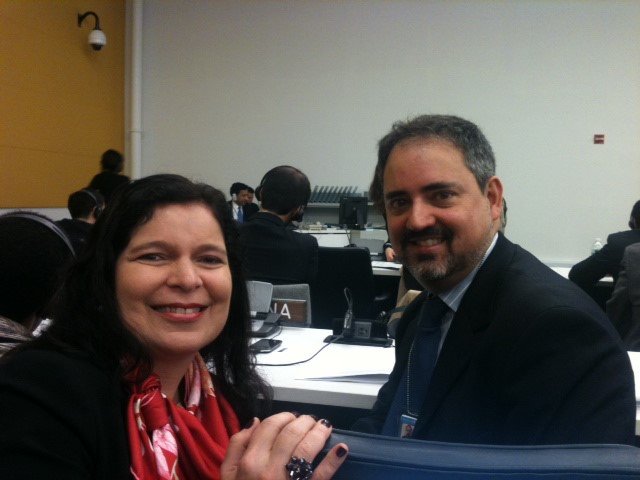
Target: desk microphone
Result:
[347, 325]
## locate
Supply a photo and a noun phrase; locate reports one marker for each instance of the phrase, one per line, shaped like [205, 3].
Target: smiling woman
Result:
[120, 385]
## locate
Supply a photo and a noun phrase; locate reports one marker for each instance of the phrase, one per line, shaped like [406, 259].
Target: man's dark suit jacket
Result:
[604, 262]
[623, 309]
[528, 359]
[273, 252]
[249, 210]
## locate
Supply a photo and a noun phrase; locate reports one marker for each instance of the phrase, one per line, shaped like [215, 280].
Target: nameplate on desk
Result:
[292, 311]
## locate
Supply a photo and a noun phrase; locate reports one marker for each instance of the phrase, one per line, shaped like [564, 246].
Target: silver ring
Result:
[299, 469]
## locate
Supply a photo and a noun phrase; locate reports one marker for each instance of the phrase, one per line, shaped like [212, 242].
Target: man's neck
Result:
[285, 218]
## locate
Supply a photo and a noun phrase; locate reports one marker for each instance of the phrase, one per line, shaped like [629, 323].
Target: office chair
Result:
[339, 268]
[259, 294]
[375, 457]
[295, 291]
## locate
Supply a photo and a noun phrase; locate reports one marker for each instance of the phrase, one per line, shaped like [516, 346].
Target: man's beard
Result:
[427, 270]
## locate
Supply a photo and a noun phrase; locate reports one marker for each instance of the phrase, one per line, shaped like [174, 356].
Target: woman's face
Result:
[173, 282]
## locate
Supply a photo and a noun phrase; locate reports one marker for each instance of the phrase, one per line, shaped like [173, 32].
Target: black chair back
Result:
[340, 267]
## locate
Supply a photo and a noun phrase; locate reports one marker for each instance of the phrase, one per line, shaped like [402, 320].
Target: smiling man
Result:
[498, 349]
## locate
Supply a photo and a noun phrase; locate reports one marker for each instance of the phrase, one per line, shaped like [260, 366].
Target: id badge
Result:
[407, 422]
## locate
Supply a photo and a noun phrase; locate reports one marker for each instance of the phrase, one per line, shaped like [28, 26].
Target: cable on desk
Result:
[300, 361]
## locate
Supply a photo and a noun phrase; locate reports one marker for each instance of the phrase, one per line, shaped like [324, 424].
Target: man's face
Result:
[249, 197]
[440, 222]
[243, 197]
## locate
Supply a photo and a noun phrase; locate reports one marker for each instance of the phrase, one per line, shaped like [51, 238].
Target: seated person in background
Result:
[606, 261]
[499, 349]
[239, 198]
[273, 251]
[84, 206]
[623, 308]
[33, 253]
[107, 181]
[146, 371]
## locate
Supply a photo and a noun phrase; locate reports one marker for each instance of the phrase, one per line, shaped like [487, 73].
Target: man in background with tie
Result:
[239, 198]
[498, 349]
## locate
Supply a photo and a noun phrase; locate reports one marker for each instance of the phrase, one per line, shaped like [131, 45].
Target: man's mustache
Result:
[412, 236]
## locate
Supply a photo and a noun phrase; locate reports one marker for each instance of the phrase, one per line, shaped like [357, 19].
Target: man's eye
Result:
[397, 203]
[445, 195]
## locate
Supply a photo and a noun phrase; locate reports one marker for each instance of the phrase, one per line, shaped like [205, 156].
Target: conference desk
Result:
[386, 269]
[339, 375]
[344, 376]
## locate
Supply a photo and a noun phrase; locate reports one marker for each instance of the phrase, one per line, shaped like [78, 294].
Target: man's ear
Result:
[296, 214]
[493, 192]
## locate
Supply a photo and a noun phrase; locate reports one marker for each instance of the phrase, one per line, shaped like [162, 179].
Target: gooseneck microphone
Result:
[347, 324]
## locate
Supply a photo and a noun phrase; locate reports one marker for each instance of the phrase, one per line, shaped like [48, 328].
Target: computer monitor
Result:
[353, 212]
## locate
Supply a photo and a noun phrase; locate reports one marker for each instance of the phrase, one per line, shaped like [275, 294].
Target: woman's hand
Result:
[265, 448]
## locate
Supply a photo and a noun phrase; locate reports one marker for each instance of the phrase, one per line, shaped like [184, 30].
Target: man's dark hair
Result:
[33, 255]
[87, 315]
[112, 161]
[463, 134]
[237, 187]
[82, 202]
[283, 189]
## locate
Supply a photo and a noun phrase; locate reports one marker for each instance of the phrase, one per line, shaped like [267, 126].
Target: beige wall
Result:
[62, 102]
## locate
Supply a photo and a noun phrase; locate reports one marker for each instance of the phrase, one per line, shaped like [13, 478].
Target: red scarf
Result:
[169, 442]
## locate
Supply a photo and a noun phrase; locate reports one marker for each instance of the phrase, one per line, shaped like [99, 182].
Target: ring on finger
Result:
[299, 469]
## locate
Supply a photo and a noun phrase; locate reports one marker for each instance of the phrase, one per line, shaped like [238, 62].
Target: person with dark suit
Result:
[84, 206]
[623, 308]
[273, 251]
[110, 178]
[498, 349]
[239, 199]
[606, 261]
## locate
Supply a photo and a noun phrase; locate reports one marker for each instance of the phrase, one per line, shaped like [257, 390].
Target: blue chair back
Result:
[375, 457]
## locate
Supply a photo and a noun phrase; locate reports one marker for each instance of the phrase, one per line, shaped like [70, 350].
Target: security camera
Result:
[97, 39]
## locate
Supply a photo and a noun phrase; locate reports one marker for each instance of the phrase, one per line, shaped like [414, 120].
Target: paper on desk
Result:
[361, 377]
[390, 265]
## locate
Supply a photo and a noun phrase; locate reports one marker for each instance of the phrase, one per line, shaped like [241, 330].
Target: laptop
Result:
[263, 322]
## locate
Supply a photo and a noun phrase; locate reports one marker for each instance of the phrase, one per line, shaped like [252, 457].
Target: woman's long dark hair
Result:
[86, 309]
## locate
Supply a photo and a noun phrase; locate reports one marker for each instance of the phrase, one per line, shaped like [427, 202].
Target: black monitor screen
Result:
[353, 212]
